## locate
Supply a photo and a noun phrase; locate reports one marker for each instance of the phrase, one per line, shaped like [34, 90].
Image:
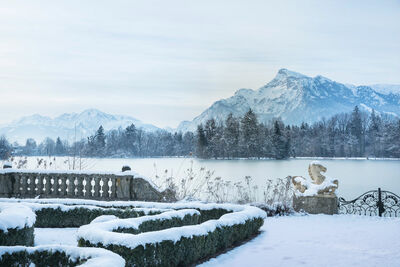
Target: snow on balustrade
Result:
[77, 184]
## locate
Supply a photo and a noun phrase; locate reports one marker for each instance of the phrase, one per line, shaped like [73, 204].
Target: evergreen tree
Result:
[30, 147]
[100, 138]
[210, 130]
[356, 131]
[249, 130]
[130, 139]
[5, 148]
[279, 141]
[201, 142]
[231, 136]
[59, 148]
[373, 134]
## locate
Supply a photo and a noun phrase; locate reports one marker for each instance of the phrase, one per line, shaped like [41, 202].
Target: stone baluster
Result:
[89, 185]
[63, 186]
[39, 186]
[96, 187]
[113, 188]
[80, 187]
[24, 185]
[32, 184]
[47, 186]
[105, 188]
[71, 186]
[17, 185]
[55, 185]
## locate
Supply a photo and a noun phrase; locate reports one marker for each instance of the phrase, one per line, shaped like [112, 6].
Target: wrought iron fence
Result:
[372, 203]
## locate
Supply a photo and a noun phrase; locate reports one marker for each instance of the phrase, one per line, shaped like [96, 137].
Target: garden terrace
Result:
[162, 234]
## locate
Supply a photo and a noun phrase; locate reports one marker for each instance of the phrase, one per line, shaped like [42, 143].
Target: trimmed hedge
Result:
[39, 258]
[57, 218]
[212, 214]
[186, 251]
[54, 255]
[156, 225]
[16, 236]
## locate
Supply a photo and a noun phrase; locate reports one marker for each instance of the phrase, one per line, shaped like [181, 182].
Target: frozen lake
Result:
[355, 176]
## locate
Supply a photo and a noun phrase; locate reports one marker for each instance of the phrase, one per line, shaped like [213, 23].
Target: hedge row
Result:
[58, 256]
[157, 225]
[16, 236]
[38, 258]
[58, 218]
[185, 251]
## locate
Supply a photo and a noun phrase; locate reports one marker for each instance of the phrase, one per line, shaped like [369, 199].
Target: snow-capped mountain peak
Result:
[297, 98]
[63, 126]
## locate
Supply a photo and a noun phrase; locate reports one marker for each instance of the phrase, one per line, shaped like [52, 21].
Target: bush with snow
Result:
[173, 238]
[162, 234]
[16, 225]
[60, 215]
[58, 256]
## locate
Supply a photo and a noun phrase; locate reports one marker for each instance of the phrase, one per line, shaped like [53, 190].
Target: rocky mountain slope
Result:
[299, 98]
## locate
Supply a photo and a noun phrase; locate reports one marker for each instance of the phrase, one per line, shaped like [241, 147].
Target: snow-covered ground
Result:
[319, 240]
[56, 236]
[314, 240]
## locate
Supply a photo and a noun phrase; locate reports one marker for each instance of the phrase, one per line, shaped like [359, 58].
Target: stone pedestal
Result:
[316, 204]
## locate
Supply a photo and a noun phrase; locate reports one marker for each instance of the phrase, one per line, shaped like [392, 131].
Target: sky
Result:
[167, 61]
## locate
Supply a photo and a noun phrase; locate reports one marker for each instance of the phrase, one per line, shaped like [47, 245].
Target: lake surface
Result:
[355, 176]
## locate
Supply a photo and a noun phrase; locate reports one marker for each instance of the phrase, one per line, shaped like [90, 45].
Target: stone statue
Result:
[319, 183]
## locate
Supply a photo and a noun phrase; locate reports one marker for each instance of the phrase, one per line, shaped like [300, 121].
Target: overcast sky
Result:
[166, 61]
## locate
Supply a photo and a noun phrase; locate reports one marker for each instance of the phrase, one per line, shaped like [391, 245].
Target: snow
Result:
[96, 256]
[386, 88]
[139, 205]
[319, 240]
[63, 126]
[88, 172]
[298, 98]
[15, 216]
[56, 236]
[102, 232]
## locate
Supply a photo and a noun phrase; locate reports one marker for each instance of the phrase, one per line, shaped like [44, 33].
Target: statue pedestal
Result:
[316, 204]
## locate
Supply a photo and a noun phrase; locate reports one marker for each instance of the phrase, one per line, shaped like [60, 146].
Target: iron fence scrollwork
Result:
[372, 203]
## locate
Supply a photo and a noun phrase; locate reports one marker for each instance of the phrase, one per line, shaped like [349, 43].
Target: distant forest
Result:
[354, 134]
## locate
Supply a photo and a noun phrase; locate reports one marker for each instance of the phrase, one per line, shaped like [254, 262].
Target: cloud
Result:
[62, 56]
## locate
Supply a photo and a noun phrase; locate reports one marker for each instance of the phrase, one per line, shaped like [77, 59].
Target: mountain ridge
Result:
[87, 122]
[297, 98]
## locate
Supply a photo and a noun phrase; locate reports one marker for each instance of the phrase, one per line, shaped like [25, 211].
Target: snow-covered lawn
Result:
[314, 240]
[319, 240]
[56, 236]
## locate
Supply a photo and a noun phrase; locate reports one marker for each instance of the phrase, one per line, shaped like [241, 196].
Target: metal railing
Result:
[372, 203]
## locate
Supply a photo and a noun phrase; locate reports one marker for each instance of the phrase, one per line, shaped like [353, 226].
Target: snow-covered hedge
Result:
[74, 216]
[77, 212]
[177, 245]
[58, 256]
[112, 224]
[16, 225]
[60, 215]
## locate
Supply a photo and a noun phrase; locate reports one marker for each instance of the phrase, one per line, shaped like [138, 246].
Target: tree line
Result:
[354, 134]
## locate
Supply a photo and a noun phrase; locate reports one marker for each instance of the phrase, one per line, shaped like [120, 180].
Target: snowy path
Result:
[56, 236]
[319, 240]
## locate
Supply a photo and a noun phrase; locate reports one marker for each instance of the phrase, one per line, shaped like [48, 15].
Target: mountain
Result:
[297, 98]
[63, 126]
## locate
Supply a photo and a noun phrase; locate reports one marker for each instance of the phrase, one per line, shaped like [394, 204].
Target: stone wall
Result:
[316, 204]
[14, 183]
